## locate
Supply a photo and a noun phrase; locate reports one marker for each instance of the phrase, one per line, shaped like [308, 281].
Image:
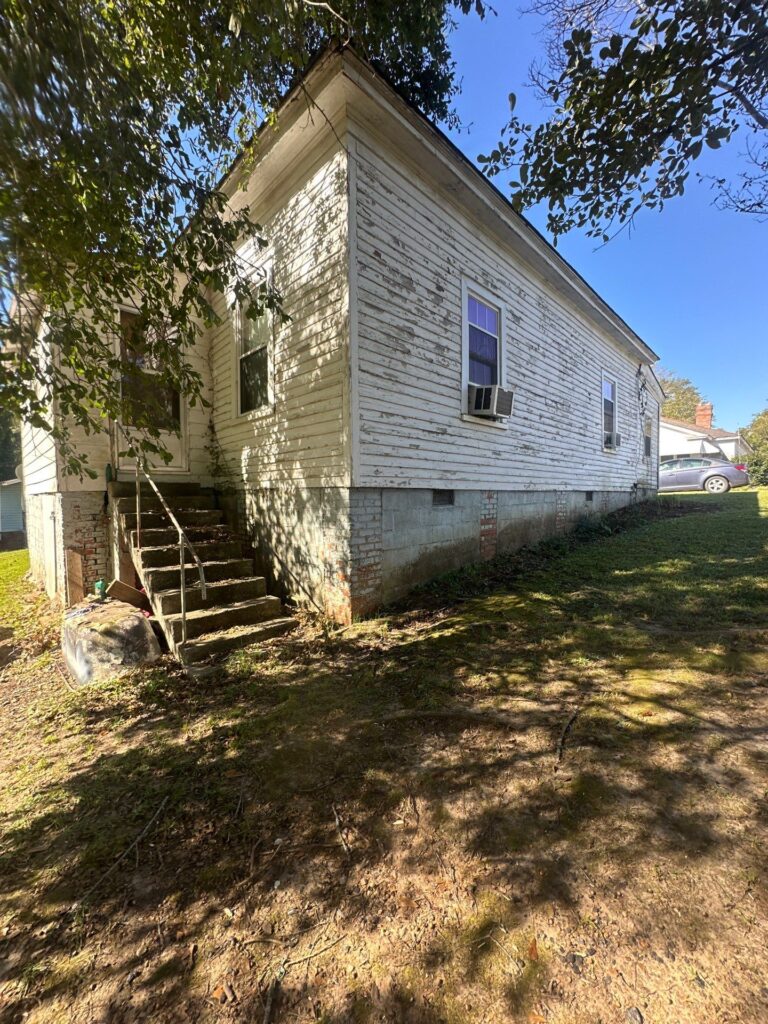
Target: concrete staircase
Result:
[237, 610]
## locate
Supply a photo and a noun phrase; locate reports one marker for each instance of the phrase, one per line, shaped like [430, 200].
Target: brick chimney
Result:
[704, 412]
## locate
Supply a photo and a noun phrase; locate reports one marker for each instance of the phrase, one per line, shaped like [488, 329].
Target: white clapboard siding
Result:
[303, 437]
[38, 458]
[414, 245]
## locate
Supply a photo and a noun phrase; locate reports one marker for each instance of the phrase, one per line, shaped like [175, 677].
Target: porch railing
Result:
[185, 544]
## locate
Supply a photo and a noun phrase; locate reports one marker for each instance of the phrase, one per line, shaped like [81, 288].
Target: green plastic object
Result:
[101, 589]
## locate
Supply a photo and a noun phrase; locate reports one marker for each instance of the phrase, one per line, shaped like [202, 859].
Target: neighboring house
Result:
[11, 515]
[356, 464]
[678, 438]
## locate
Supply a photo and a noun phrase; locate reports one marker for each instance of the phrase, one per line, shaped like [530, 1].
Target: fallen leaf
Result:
[533, 950]
[219, 994]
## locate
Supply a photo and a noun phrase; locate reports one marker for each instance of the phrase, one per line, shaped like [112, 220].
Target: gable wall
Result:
[290, 461]
[413, 246]
[302, 437]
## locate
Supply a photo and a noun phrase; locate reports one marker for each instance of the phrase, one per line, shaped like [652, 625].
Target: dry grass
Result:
[465, 880]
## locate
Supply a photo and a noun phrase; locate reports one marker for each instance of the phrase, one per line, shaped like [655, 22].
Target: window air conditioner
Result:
[492, 401]
[613, 440]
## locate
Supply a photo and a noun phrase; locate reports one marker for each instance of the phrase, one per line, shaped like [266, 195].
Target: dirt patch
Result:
[305, 854]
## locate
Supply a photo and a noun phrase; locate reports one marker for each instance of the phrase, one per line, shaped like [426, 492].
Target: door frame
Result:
[178, 467]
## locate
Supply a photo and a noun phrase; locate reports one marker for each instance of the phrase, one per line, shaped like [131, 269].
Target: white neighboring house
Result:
[11, 513]
[678, 438]
[362, 458]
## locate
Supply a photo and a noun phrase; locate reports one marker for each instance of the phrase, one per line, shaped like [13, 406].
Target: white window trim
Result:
[268, 408]
[612, 380]
[470, 287]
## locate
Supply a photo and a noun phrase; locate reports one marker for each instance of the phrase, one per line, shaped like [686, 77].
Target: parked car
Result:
[697, 473]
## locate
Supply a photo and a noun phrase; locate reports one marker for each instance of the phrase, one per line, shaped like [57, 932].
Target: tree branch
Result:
[749, 106]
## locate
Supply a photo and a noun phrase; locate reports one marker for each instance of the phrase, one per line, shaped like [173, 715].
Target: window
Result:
[145, 398]
[253, 338]
[483, 356]
[589, 495]
[484, 323]
[609, 413]
[648, 440]
[443, 497]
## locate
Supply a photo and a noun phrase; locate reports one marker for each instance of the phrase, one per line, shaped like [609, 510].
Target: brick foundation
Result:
[77, 521]
[402, 537]
[489, 522]
[85, 523]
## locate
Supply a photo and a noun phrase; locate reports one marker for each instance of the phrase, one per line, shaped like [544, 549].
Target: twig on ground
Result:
[280, 974]
[561, 742]
[67, 683]
[505, 951]
[339, 829]
[321, 785]
[274, 986]
[240, 799]
[311, 956]
[134, 845]
[415, 808]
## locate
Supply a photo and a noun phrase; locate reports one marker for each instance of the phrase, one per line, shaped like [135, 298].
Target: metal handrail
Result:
[184, 541]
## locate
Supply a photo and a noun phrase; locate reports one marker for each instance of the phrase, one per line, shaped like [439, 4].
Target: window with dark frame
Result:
[484, 323]
[609, 413]
[648, 440]
[253, 361]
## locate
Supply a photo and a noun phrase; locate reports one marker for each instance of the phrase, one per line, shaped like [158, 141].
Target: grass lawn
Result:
[305, 855]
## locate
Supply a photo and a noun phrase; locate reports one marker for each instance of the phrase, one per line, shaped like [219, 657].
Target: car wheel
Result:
[717, 485]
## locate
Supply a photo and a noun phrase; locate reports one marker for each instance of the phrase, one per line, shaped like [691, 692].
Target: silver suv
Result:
[699, 473]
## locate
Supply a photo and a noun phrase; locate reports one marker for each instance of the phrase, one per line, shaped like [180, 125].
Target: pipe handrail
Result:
[184, 541]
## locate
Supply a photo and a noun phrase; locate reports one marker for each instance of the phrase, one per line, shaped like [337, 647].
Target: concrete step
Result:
[168, 488]
[223, 641]
[207, 551]
[168, 537]
[167, 577]
[168, 602]
[181, 502]
[239, 613]
[158, 520]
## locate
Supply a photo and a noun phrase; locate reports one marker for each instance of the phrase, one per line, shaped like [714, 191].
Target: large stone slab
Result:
[102, 639]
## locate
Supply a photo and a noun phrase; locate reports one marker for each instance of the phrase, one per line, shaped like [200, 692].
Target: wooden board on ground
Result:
[124, 592]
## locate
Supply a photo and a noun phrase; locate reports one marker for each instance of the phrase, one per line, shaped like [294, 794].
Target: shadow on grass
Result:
[642, 628]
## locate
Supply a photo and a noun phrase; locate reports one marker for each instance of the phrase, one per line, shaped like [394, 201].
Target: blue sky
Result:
[691, 280]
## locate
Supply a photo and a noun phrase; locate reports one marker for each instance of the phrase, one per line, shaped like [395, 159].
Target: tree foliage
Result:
[757, 435]
[10, 445]
[757, 431]
[117, 120]
[637, 91]
[682, 396]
